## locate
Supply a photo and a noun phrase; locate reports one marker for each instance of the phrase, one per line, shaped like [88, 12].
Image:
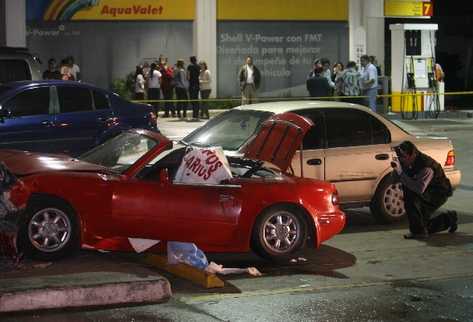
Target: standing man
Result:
[369, 82]
[375, 63]
[317, 85]
[75, 69]
[249, 77]
[426, 188]
[193, 72]
[349, 83]
[52, 72]
[181, 87]
[167, 86]
[326, 72]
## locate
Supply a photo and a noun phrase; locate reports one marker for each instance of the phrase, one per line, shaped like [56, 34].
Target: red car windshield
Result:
[121, 152]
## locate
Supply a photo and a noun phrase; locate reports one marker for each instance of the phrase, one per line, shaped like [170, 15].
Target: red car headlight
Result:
[19, 195]
[335, 199]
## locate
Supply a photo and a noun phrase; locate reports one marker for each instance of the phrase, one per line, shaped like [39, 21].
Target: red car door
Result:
[165, 211]
[205, 214]
[139, 208]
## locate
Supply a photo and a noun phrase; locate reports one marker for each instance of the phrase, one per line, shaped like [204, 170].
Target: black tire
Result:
[49, 230]
[267, 247]
[387, 204]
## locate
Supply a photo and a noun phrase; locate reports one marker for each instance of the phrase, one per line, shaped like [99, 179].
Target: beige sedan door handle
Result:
[314, 162]
[382, 156]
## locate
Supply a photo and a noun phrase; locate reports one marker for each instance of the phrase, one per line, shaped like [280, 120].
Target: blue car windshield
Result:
[121, 152]
[230, 130]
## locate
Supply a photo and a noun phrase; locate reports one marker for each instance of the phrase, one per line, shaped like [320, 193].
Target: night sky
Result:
[455, 47]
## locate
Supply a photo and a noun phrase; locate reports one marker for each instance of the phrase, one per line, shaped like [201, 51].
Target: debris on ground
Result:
[42, 265]
[186, 253]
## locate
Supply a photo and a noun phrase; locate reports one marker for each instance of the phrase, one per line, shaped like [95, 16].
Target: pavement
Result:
[87, 280]
[95, 279]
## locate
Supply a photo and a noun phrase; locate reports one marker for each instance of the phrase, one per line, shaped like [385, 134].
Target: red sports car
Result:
[124, 189]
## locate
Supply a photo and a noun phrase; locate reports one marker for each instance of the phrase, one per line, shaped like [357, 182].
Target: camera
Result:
[396, 149]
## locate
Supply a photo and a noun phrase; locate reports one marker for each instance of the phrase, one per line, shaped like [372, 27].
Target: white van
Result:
[18, 64]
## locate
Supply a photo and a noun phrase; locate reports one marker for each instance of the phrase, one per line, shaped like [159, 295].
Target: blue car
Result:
[65, 117]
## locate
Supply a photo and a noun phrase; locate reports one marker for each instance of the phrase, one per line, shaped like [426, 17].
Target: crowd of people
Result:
[326, 81]
[67, 70]
[186, 83]
[359, 85]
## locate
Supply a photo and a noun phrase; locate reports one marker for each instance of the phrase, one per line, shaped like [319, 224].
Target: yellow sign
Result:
[333, 10]
[120, 10]
[399, 8]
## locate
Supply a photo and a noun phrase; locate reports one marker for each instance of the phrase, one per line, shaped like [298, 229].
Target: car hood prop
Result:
[278, 139]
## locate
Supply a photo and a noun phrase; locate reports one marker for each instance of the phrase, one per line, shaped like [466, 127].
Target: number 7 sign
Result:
[427, 9]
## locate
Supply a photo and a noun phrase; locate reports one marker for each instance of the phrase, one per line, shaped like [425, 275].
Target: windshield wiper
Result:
[201, 145]
[183, 142]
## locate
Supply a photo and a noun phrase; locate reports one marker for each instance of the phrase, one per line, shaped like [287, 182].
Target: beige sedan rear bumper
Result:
[454, 176]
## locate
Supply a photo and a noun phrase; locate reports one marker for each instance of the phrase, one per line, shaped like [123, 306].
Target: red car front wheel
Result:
[279, 232]
[49, 230]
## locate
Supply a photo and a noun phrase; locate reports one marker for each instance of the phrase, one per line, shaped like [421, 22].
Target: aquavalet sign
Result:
[133, 10]
[97, 10]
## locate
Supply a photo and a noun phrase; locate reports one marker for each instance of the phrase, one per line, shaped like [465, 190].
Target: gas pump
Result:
[413, 84]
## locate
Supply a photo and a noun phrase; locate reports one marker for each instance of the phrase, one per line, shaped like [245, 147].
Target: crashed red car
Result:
[124, 189]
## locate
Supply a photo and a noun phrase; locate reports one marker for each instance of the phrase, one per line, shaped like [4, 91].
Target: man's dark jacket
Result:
[318, 86]
[243, 76]
[439, 185]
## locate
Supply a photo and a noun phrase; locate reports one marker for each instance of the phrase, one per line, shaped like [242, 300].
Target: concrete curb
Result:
[129, 292]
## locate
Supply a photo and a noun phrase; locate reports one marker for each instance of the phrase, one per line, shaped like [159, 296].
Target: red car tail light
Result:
[450, 158]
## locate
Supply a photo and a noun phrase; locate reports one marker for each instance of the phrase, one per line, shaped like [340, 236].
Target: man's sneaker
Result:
[454, 226]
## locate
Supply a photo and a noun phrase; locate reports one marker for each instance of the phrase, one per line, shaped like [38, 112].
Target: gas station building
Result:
[108, 38]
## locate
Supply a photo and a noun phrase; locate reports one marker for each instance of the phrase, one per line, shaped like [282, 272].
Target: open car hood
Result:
[23, 163]
[278, 139]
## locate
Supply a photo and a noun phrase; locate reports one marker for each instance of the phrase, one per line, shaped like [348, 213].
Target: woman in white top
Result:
[154, 92]
[139, 84]
[205, 78]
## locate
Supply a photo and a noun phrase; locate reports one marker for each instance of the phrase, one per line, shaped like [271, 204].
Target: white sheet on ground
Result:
[140, 244]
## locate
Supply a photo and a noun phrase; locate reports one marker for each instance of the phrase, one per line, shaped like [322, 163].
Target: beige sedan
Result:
[349, 146]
